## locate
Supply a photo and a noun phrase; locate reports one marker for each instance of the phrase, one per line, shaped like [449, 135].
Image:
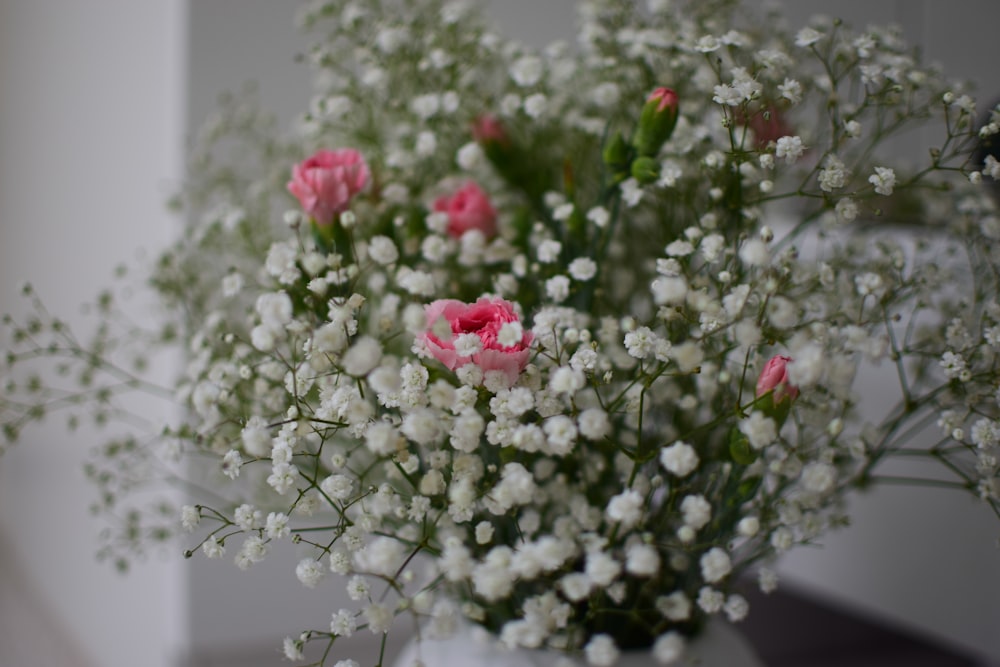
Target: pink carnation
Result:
[484, 318]
[774, 378]
[326, 182]
[469, 208]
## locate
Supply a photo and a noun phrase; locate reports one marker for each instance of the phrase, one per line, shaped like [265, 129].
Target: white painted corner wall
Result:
[92, 122]
[96, 100]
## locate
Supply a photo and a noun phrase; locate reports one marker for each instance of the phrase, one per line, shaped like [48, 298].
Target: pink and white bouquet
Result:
[563, 342]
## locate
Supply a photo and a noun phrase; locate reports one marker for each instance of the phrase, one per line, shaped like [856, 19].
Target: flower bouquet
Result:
[561, 342]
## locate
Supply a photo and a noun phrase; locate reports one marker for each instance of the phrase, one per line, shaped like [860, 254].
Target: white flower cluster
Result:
[549, 354]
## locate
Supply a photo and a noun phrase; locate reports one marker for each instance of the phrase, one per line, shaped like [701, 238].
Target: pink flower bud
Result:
[469, 208]
[326, 182]
[487, 129]
[485, 319]
[656, 122]
[665, 98]
[774, 378]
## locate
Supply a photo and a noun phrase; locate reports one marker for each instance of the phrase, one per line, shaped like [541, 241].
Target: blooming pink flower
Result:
[774, 378]
[468, 208]
[326, 182]
[484, 319]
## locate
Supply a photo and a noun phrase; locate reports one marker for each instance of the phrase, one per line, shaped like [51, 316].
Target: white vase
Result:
[719, 645]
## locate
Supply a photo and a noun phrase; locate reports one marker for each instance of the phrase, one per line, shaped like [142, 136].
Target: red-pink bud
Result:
[656, 122]
[774, 378]
[487, 129]
[665, 98]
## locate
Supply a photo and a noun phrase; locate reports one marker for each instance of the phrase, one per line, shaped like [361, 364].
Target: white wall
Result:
[92, 99]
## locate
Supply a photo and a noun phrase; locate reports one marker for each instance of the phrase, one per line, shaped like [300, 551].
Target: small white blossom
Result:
[818, 477]
[470, 156]
[601, 651]
[642, 560]
[846, 209]
[759, 429]
[791, 90]
[599, 216]
[626, 508]
[292, 648]
[631, 192]
[754, 253]
[526, 71]
[715, 565]
[833, 175]
[557, 288]
[884, 179]
[807, 36]
[675, 607]
[582, 268]
[548, 251]
[276, 526]
[789, 148]
[484, 532]
[382, 250]
[379, 617]
[679, 458]
[190, 517]
[669, 648]
[748, 526]
[954, 365]
[535, 105]
[593, 423]
[736, 608]
[252, 551]
[343, 623]
[310, 572]
[991, 167]
[605, 94]
[710, 600]
[602, 568]
[707, 44]
[727, 95]
[697, 511]
[363, 356]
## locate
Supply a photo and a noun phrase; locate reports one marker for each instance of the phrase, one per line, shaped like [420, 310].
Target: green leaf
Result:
[739, 448]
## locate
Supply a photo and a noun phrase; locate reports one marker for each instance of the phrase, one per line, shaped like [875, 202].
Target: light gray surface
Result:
[91, 143]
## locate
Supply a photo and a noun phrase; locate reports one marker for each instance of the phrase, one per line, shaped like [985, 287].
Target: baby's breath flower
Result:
[807, 37]
[789, 148]
[582, 268]
[601, 651]
[884, 180]
[679, 458]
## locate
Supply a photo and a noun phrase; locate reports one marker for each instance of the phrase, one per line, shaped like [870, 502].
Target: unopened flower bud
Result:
[488, 130]
[774, 378]
[656, 122]
[645, 170]
[615, 153]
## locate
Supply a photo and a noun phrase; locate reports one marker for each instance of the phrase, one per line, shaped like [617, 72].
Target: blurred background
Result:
[96, 102]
